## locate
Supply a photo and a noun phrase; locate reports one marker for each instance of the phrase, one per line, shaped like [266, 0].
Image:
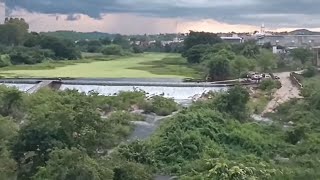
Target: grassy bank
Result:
[147, 65]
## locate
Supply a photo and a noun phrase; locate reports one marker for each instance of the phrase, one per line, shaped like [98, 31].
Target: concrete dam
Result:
[171, 88]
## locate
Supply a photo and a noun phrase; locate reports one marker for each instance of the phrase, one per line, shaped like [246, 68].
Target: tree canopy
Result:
[302, 55]
[196, 38]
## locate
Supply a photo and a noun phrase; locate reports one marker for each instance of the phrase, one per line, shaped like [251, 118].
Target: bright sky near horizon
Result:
[164, 16]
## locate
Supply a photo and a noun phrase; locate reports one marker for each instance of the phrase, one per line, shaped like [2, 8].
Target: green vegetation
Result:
[76, 165]
[220, 61]
[67, 135]
[21, 47]
[269, 84]
[259, 102]
[161, 106]
[302, 55]
[310, 72]
[262, 95]
[145, 65]
[210, 140]
[113, 50]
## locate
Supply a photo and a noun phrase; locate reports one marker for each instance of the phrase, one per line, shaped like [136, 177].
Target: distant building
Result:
[278, 50]
[291, 41]
[233, 39]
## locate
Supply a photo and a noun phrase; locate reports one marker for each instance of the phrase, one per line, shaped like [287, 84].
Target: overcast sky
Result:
[154, 16]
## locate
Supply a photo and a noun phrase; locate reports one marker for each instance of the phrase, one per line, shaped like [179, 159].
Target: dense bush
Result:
[76, 165]
[113, 50]
[62, 48]
[310, 72]
[123, 101]
[5, 60]
[54, 120]
[8, 130]
[161, 106]
[233, 102]
[120, 125]
[269, 84]
[131, 171]
[137, 49]
[196, 53]
[202, 143]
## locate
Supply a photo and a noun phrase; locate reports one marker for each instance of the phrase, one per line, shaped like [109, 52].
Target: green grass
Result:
[147, 65]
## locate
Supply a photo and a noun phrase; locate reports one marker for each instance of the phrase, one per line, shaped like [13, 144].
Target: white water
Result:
[177, 93]
[21, 87]
[180, 94]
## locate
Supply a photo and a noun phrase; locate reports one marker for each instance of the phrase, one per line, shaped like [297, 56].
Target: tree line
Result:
[220, 60]
[19, 46]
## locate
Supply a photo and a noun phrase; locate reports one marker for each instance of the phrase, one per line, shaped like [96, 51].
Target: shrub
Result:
[161, 106]
[269, 84]
[5, 60]
[113, 50]
[310, 72]
[136, 49]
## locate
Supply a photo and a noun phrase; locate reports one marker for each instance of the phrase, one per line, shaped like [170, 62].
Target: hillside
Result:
[303, 32]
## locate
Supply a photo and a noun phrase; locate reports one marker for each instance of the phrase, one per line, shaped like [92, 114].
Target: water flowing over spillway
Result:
[177, 93]
[180, 94]
[21, 87]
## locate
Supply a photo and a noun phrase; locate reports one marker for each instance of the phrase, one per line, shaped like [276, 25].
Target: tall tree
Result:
[266, 60]
[301, 54]
[219, 68]
[13, 31]
[196, 53]
[121, 41]
[62, 48]
[59, 121]
[196, 38]
[240, 64]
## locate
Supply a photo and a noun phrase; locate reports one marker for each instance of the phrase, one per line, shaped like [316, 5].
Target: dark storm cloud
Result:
[275, 12]
[73, 17]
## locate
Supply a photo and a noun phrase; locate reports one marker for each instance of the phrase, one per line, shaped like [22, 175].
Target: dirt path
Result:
[285, 93]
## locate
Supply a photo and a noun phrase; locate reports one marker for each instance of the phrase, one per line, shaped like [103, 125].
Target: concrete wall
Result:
[292, 40]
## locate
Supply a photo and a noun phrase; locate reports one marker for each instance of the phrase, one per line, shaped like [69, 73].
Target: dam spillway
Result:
[177, 90]
[169, 92]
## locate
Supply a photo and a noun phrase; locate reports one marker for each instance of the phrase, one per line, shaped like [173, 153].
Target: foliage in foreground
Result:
[72, 164]
[206, 142]
[65, 134]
